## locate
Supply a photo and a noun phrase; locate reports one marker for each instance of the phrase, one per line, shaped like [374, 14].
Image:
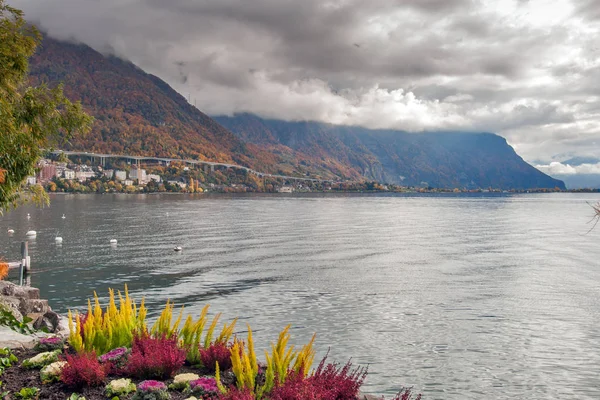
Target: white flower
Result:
[52, 371]
[185, 378]
[41, 359]
[55, 368]
[119, 384]
[120, 387]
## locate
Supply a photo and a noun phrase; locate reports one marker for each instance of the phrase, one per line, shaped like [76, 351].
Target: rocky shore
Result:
[24, 302]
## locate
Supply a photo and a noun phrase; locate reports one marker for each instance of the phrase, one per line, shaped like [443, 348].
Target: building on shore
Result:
[109, 173]
[285, 189]
[31, 180]
[120, 175]
[47, 172]
[138, 174]
[68, 174]
[153, 177]
[127, 182]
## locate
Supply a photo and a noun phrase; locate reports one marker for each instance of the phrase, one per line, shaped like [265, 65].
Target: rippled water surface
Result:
[466, 297]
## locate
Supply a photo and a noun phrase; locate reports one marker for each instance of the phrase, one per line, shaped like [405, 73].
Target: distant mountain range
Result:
[138, 113]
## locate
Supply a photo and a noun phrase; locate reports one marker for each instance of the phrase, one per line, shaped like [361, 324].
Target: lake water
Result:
[462, 297]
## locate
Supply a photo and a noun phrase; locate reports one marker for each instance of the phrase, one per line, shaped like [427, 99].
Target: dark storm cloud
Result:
[526, 69]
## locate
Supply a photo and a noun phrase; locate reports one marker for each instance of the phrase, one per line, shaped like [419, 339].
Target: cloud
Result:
[557, 168]
[528, 70]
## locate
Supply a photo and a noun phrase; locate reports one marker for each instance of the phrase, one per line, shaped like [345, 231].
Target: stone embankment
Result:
[24, 301]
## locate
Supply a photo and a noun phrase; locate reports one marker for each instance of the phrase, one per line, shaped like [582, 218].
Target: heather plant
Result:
[181, 381]
[158, 358]
[49, 343]
[119, 387]
[191, 334]
[102, 331]
[42, 359]
[406, 394]
[216, 353]
[51, 372]
[238, 394]
[83, 369]
[151, 390]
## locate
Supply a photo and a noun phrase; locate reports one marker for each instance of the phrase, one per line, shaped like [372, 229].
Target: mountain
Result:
[439, 159]
[137, 113]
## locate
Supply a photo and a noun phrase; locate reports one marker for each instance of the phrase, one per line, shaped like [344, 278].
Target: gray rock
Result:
[15, 340]
[50, 321]
[33, 306]
[12, 304]
[22, 292]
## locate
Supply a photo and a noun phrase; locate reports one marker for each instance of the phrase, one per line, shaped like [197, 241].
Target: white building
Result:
[285, 189]
[182, 185]
[31, 180]
[121, 175]
[139, 174]
[128, 182]
[153, 177]
[68, 174]
[83, 176]
[109, 173]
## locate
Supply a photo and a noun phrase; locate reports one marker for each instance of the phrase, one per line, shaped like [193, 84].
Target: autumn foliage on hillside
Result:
[137, 113]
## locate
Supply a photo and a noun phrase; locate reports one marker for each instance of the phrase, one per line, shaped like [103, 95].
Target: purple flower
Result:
[205, 384]
[114, 354]
[50, 340]
[152, 386]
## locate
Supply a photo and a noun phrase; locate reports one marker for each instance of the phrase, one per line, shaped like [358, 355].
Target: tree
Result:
[31, 118]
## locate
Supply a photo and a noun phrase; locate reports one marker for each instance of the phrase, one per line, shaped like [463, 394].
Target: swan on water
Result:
[63, 217]
[58, 239]
[113, 241]
[28, 216]
[31, 234]
[10, 231]
[177, 248]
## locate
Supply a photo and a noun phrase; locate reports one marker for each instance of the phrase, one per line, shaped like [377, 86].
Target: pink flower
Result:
[152, 386]
[206, 384]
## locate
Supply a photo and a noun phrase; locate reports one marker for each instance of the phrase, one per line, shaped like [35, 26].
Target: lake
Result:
[462, 297]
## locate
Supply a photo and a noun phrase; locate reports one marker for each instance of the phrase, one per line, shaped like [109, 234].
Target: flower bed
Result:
[113, 350]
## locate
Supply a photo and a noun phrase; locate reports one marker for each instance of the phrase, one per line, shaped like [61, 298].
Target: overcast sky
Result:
[526, 69]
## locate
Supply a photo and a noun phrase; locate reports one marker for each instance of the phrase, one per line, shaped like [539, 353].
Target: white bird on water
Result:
[113, 241]
[10, 231]
[63, 217]
[28, 216]
[58, 240]
[177, 248]
[31, 234]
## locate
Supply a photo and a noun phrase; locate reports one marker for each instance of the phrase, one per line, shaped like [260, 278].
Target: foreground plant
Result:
[205, 387]
[151, 390]
[28, 393]
[406, 394]
[83, 370]
[158, 358]
[216, 353]
[102, 331]
[51, 373]
[49, 343]
[181, 381]
[7, 359]
[42, 359]
[119, 387]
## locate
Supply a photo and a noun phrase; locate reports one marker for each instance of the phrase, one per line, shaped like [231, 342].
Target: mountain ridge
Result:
[138, 113]
[439, 159]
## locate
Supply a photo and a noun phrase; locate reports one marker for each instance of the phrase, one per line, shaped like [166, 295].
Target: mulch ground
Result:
[16, 377]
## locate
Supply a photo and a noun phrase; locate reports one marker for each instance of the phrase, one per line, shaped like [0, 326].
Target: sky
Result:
[528, 70]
